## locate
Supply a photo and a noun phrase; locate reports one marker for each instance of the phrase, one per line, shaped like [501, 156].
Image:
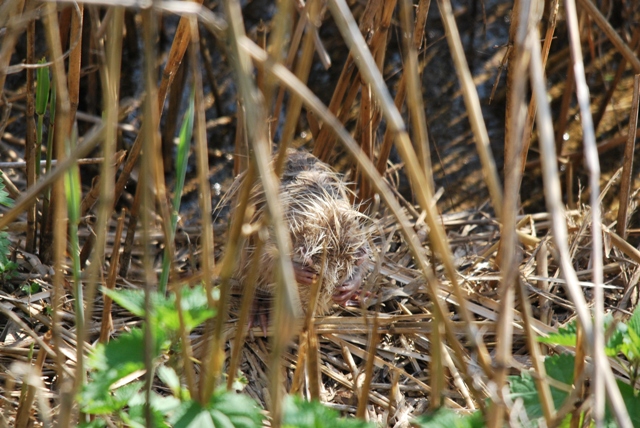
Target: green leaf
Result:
[304, 414]
[111, 362]
[96, 423]
[96, 398]
[558, 367]
[170, 378]
[446, 418]
[632, 341]
[30, 288]
[191, 415]
[136, 417]
[566, 336]
[131, 300]
[194, 305]
[43, 84]
[241, 409]
[225, 409]
[5, 199]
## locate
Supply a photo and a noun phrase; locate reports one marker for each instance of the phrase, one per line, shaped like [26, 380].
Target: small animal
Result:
[320, 218]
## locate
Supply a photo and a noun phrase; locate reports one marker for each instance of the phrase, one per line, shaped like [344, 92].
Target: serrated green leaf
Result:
[241, 410]
[191, 415]
[5, 199]
[632, 341]
[136, 417]
[170, 378]
[566, 336]
[305, 414]
[194, 305]
[558, 367]
[446, 418]
[96, 423]
[131, 300]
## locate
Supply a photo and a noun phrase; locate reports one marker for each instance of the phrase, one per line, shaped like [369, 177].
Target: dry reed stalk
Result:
[593, 166]
[176, 54]
[287, 305]
[127, 250]
[627, 167]
[472, 102]
[622, 65]
[31, 150]
[510, 252]
[249, 288]
[554, 205]
[303, 67]
[110, 77]
[365, 377]
[415, 103]
[281, 29]
[546, 46]
[207, 264]
[26, 405]
[324, 144]
[331, 122]
[149, 178]
[58, 248]
[106, 324]
[11, 10]
[611, 33]
[376, 15]
[75, 59]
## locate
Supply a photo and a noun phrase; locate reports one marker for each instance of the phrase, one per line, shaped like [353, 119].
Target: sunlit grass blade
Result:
[43, 89]
[181, 171]
[73, 192]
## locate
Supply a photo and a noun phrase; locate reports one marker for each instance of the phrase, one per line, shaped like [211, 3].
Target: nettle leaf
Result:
[5, 199]
[136, 417]
[446, 418]
[195, 306]
[165, 315]
[312, 414]
[96, 423]
[241, 409]
[191, 415]
[558, 367]
[97, 399]
[225, 409]
[632, 342]
[566, 336]
[131, 300]
[631, 401]
[112, 362]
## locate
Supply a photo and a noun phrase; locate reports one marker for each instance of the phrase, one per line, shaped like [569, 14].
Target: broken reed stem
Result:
[510, 252]
[593, 166]
[106, 323]
[110, 79]
[627, 167]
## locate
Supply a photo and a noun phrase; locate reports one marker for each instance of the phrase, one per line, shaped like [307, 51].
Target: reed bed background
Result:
[500, 185]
